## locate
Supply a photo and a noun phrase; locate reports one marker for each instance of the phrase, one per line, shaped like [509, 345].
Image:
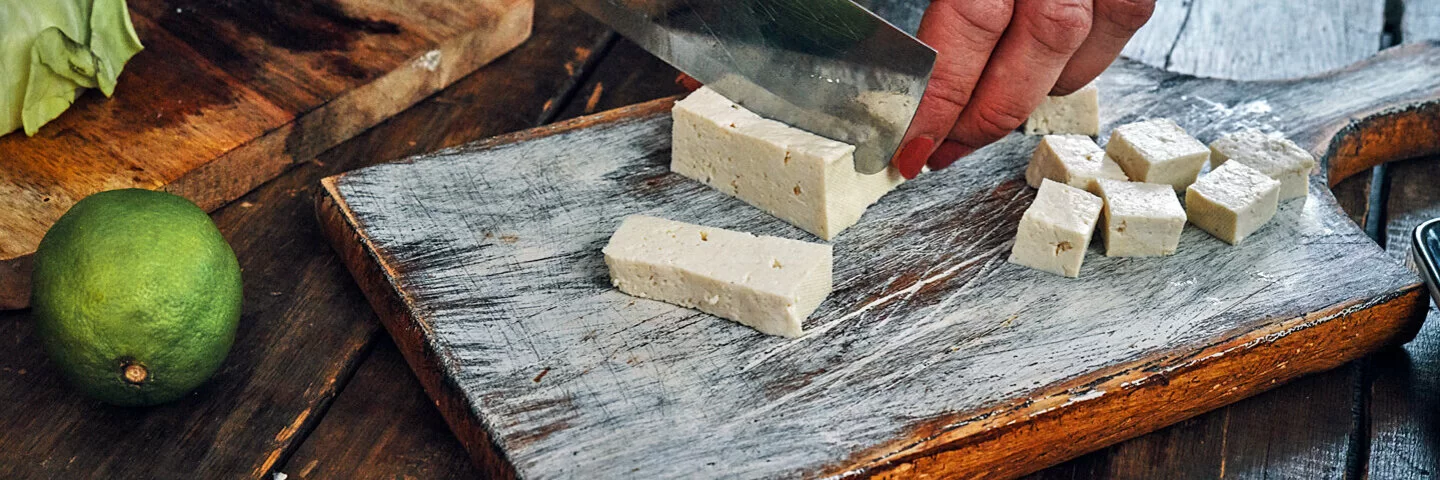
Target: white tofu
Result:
[1077, 113]
[1055, 231]
[1140, 219]
[1157, 151]
[768, 283]
[1074, 160]
[802, 178]
[1275, 156]
[1232, 201]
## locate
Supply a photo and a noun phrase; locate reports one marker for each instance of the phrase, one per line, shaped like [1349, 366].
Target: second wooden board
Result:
[933, 355]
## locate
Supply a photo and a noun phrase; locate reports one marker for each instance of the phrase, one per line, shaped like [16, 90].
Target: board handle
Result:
[1404, 125]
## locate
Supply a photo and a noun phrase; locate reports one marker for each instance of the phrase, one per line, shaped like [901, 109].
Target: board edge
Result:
[339, 225]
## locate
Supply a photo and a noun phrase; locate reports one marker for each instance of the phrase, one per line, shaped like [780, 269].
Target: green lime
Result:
[136, 296]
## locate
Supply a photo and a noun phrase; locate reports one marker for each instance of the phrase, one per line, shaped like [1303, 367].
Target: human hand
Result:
[998, 59]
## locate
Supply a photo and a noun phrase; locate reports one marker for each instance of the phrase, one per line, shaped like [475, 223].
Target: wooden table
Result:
[314, 388]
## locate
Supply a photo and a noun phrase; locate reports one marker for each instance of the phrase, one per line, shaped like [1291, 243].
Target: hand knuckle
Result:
[1060, 25]
[980, 20]
[1128, 15]
[949, 87]
[995, 120]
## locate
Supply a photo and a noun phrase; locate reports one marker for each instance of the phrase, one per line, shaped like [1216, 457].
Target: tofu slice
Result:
[768, 283]
[1157, 151]
[1055, 231]
[1232, 201]
[1077, 113]
[1074, 160]
[802, 178]
[1140, 219]
[1275, 156]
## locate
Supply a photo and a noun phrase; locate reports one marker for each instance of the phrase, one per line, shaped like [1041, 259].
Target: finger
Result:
[1022, 70]
[1115, 22]
[963, 33]
[948, 153]
[688, 82]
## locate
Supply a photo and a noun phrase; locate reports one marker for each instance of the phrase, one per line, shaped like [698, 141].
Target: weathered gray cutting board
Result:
[933, 355]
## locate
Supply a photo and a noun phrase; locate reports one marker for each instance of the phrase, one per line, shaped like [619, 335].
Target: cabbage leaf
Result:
[52, 50]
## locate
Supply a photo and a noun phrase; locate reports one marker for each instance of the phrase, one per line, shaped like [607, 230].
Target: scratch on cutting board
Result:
[910, 290]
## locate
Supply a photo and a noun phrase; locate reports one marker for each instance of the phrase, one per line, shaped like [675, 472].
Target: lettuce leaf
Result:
[52, 50]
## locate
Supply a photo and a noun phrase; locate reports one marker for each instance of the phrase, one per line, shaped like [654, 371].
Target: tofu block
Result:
[1157, 151]
[768, 283]
[802, 178]
[1077, 113]
[1275, 156]
[1055, 231]
[1140, 219]
[1232, 201]
[1074, 160]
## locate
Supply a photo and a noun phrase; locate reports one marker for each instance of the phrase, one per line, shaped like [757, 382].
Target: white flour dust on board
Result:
[1252, 114]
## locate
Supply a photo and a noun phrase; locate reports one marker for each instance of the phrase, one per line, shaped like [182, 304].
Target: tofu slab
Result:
[1140, 219]
[1055, 230]
[802, 178]
[768, 283]
[1157, 151]
[1272, 155]
[1074, 160]
[1077, 113]
[1232, 201]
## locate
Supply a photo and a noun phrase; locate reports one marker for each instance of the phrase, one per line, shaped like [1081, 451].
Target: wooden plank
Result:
[386, 428]
[1407, 380]
[616, 366]
[628, 75]
[1151, 45]
[1246, 40]
[305, 326]
[1264, 436]
[227, 95]
[1420, 21]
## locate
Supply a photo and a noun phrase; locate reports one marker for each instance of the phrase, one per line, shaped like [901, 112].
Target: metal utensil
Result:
[1425, 255]
[827, 66]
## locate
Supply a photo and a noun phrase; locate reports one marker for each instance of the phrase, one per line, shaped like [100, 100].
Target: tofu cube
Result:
[1074, 160]
[1077, 113]
[1232, 201]
[1055, 231]
[768, 283]
[802, 178]
[1157, 151]
[1275, 156]
[1140, 219]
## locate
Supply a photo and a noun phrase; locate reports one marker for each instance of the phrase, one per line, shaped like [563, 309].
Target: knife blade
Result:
[827, 66]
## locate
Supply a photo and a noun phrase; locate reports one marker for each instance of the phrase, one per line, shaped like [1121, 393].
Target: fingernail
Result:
[948, 153]
[912, 156]
[687, 82]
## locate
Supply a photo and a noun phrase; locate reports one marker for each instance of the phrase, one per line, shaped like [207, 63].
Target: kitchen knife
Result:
[827, 66]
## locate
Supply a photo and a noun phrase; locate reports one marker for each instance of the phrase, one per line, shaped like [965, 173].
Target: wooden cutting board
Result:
[933, 356]
[228, 94]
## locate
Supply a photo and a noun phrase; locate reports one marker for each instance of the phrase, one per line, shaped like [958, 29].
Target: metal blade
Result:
[827, 66]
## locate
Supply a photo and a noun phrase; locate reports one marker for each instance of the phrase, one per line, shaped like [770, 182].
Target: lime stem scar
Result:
[135, 373]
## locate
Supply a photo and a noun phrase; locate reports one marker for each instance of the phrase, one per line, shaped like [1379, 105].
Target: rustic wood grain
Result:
[387, 429]
[1405, 424]
[227, 95]
[627, 75]
[1247, 40]
[305, 326]
[1421, 21]
[657, 370]
[1214, 444]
